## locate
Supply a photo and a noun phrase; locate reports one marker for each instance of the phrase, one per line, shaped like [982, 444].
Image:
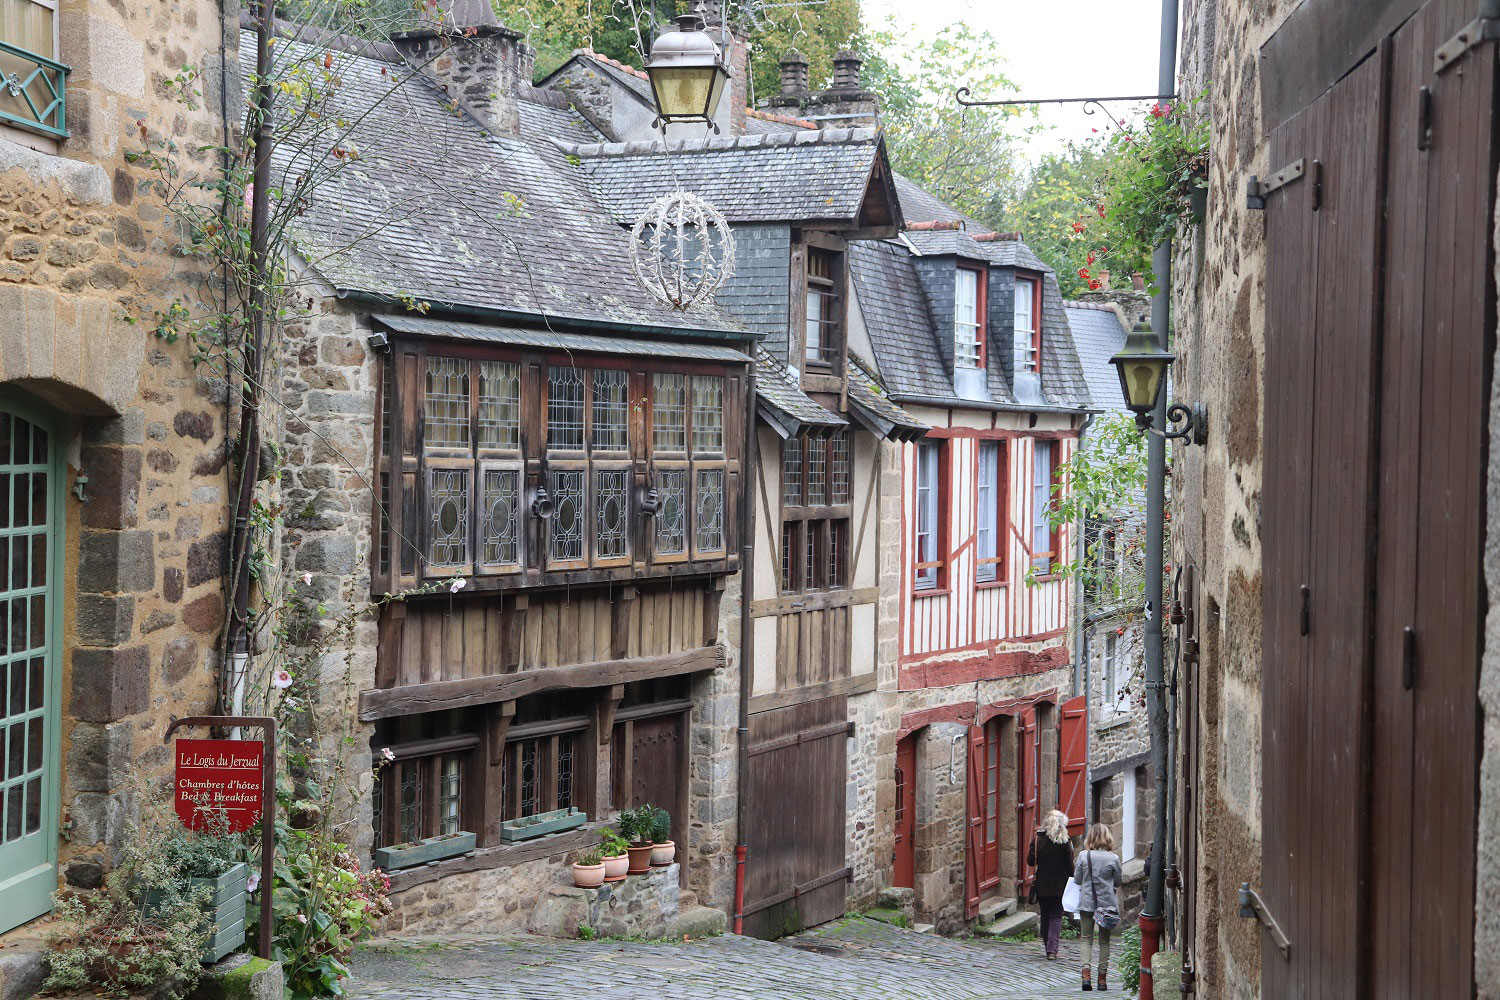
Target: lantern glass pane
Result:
[683, 92]
[1142, 379]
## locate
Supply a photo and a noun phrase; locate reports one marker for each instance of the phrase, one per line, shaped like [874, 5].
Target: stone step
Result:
[686, 899]
[1011, 926]
[924, 928]
[993, 909]
[696, 922]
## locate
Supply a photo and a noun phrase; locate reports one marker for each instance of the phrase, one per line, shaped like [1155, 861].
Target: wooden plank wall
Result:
[483, 635]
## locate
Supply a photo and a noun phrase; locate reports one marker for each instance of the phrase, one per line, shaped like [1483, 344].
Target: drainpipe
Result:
[750, 466]
[1156, 487]
[238, 643]
[1081, 680]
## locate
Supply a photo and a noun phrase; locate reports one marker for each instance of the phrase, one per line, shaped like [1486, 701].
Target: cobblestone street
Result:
[849, 959]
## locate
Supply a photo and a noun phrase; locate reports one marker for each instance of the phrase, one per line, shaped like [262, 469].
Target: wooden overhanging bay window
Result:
[815, 512]
[826, 281]
[511, 467]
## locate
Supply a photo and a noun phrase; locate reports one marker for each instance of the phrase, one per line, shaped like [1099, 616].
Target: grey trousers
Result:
[1087, 920]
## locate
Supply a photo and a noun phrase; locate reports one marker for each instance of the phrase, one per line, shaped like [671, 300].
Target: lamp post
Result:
[687, 74]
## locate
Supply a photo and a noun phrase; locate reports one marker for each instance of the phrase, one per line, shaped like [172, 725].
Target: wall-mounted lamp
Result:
[1142, 366]
[651, 502]
[379, 342]
[541, 503]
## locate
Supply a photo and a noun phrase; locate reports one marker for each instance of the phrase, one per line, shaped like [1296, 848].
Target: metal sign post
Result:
[267, 802]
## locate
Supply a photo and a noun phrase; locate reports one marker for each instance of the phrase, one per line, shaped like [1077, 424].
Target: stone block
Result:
[171, 584]
[84, 873]
[327, 554]
[179, 659]
[103, 52]
[129, 428]
[205, 615]
[103, 819]
[22, 972]
[697, 922]
[560, 912]
[98, 756]
[196, 425]
[116, 562]
[207, 558]
[241, 977]
[105, 621]
[109, 684]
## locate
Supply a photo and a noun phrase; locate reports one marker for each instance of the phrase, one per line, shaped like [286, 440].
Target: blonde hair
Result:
[1099, 838]
[1055, 826]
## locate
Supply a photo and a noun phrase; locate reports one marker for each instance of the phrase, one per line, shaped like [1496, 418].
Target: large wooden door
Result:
[904, 859]
[1028, 793]
[1379, 300]
[795, 871]
[987, 750]
[30, 527]
[656, 752]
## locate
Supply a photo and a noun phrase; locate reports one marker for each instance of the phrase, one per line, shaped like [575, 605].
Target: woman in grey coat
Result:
[1097, 873]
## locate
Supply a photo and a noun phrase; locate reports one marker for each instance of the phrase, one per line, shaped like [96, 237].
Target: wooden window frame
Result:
[981, 315]
[546, 738]
[1035, 283]
[937, 583]
[426, 756]
[805, 520]
[1052, 555]
[1001, 506]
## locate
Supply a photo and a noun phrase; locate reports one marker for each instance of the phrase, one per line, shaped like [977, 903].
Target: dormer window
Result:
[1028, 324]
[824, 341]
[968, 319]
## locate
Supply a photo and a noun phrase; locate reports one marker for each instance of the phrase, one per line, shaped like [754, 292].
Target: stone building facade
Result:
[1225, 305]
[125, 579]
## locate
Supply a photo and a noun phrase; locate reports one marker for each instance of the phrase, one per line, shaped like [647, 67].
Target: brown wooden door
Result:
[655, 763]
[903, 861]
[988, 749]
[1073, 761]
[796, 788]
[1028, 794]
[1378, 304]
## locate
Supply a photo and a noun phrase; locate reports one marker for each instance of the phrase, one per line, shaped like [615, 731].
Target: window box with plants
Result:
[207, 869]
[514, 831]
[421, 852]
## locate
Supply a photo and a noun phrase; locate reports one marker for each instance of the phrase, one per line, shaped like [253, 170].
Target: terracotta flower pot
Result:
[663, 854]
[615, 868]
[640, 858]
[588, 876]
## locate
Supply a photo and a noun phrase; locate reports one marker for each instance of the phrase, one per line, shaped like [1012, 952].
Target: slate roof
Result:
[511, 221]
[1099, 335]
[773, 177]
[870, 399]
[920, 205]
[777, 388]
[423, 326]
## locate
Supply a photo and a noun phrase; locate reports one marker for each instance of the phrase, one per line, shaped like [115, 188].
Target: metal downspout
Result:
[750, 464]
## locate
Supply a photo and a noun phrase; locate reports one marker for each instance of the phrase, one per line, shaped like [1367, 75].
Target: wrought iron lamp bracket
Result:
[1186, 423]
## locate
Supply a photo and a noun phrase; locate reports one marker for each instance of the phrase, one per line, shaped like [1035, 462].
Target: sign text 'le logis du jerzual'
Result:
[219, 783]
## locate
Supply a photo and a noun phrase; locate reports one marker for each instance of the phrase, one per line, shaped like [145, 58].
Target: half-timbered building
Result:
[969, 334]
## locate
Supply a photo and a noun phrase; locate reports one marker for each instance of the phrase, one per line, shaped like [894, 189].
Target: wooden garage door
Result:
[795, 870]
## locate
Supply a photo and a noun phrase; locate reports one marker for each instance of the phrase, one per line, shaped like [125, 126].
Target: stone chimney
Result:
[481, 65]
[846, 104]
[793, 82]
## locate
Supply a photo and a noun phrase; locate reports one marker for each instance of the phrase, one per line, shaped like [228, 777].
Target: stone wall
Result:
[87, 260]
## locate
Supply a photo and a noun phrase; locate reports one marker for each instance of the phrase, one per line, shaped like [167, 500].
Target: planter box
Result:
[424, 851]
[225, 908]
[516, 830]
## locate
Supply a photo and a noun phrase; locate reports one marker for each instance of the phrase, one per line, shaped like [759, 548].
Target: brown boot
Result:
[1103, 986]
[1088, 982]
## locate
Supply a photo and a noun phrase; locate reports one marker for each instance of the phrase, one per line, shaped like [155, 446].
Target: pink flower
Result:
[253, 882]
[387, 753]
[307, 579]
[281, 680]
[457, 585]
[301, 918]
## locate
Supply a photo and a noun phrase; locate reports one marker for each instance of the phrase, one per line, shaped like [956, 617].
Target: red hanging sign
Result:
[219, 778]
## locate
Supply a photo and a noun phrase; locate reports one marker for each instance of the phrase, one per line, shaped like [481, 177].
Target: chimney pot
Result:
[846, 70]
[793, 74]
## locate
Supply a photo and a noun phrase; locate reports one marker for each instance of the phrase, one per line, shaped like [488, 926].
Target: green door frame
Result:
[27, 882]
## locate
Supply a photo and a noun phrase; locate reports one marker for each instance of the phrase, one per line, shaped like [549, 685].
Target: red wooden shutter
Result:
[975, 842]
[1030, 795]
[1073, 762]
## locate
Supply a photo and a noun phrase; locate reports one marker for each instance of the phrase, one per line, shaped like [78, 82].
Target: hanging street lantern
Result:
[687, 74]
[1142, 366]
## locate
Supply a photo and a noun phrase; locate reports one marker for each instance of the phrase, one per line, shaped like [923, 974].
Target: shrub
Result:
[613, 845]
[660, 825]
[1130, 959]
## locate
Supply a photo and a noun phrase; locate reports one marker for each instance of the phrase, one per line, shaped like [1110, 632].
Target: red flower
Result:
[1090, 259]
[1078, 227]
[1083, 273]
[1095, 285]
[1101, 211]
[1160, 110]
[1120, 630]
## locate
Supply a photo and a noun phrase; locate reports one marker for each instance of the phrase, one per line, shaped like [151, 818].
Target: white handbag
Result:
[1071, 892]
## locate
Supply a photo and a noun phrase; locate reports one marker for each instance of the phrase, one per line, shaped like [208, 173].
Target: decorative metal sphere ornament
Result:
[681, 250]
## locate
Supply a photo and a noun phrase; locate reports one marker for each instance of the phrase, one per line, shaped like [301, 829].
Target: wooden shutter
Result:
[1073, 761]
[974, 846]
[1030, 794]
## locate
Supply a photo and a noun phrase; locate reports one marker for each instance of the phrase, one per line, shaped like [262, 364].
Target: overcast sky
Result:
[1052, 48]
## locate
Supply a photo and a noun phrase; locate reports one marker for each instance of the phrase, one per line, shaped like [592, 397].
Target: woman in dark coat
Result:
[1052, 856]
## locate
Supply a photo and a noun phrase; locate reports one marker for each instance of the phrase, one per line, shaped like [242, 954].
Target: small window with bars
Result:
[540, 774]
[420, 792]
[446, 408]
[564, 408]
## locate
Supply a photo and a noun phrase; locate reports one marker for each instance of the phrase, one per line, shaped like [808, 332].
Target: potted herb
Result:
[207, 867]
[663, 850]
[615, 849]
[635, 827]
[588, 870]
[420, 852]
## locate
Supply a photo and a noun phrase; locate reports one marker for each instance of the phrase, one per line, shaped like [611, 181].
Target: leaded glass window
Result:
[669, 413]
[499, 405]
[566, 487]
[564, 408]
[446, 407]
[528, 778]
[839, 443]
[565, 771]
[817, 470]
[500, 504]
[708, 415]
[611, 410]
[815, 512]
[710, 510]
[448, 787]
[448, 501]
[411, 805]
[611, 509]
[671, 519]
[791, 471]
